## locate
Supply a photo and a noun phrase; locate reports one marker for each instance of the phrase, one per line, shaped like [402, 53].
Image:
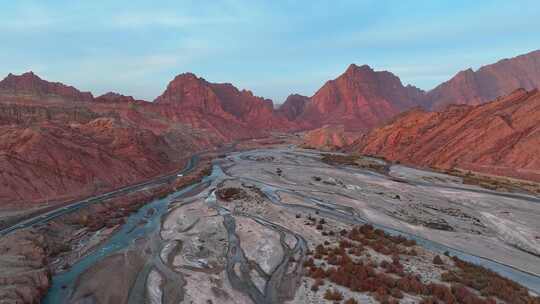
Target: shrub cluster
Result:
[388, 281]
[488, 283]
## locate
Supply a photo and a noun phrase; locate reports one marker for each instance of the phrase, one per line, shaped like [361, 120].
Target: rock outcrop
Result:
[30, 86]
[330, 138]
[359, 99]
[57, 161]
[114, 97]
[489, 82]
[25, 276]
[56, 139]
[220, 107]
[293, 106]
[58, 144]
[501, 137]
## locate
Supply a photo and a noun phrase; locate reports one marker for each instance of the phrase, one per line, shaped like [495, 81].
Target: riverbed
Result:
[194, 247]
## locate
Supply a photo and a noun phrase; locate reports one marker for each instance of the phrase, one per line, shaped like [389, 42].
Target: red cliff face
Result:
[330, 138]
[53, 140]
[112, 97]
[220, 107]
[359, 99]
[191, 93]
[501, 137]
[61, 150]
[293, 106]
[489, 82]
[58, 161]
[29, 85]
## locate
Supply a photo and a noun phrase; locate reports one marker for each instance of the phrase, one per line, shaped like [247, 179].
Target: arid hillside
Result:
[501, 137]
[55, 146]
[487, 83]
[359, 99]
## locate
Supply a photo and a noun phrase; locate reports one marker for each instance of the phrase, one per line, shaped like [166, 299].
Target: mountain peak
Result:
[114, 97]
[355, 69]
[360, 99]
[24, 76]
[294, 105]
[416, 136]
[31, 84]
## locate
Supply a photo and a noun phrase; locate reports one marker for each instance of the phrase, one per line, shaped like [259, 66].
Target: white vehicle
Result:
[180, 175]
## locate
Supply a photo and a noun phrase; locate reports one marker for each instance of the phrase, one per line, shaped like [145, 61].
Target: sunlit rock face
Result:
[220, 106]
[29, 85]
[501, 137]
[359, 99]
[58, 143]
[488, 82]
[330, 138]
[294, 105]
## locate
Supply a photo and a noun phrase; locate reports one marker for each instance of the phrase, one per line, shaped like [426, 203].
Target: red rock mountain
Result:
[114, 97]
[57, 143]
[220, 107]
[57, 140]
[29, 84]
[293, 106]
[488, 83]
[59, 161]
[359, 99]
[56, 146]
[501, 137]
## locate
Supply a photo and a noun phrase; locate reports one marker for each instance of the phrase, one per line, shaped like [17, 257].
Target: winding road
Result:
[61, 210]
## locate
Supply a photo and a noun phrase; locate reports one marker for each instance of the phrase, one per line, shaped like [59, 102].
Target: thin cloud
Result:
[138, 20]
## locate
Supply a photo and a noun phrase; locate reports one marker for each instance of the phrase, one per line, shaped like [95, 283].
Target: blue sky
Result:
[273, 48]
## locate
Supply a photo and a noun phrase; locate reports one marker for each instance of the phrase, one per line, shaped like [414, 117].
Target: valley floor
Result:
[248, 233]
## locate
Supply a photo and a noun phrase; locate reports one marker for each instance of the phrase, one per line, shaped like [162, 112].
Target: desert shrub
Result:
[396, 293]
[345, 244]
[333, 295]
[441, 292]
[320, 249]
[428, 300]
[351, 301]
[230, 194]
[309, 263]
[317, 273]
[390, 285]
[411, 284]
[318, 283]
[489, 283]
[409, 243]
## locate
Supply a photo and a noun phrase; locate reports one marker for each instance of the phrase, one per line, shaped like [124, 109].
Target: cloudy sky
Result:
[273, 48]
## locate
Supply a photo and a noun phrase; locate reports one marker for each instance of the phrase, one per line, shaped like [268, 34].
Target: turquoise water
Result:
[62, 284]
